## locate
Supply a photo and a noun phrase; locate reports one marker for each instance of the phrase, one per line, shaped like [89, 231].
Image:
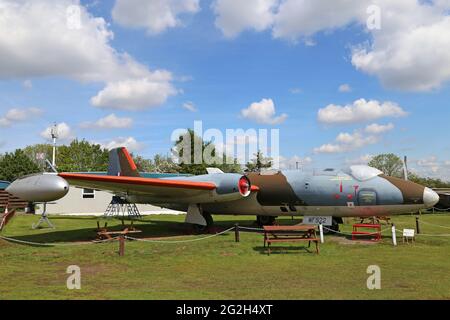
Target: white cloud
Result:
[128, 142]
[430, 162]
[329, 148]
[345, 142]
[109, 122]
[135, 94]
[410, 50]
[375, 128]
[431, 166]
[303, 18]
[263, 112]
[155, 16]
[19, 115]
[345, 88]
[235, 16]
[27, 84]
[364, 159]
[190, 106]
[359, 111]
[45, 38]
[64, 131]
[295, 90]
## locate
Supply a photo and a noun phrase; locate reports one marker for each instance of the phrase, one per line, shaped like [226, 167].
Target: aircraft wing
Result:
[123, 179]
[196, 189]
[139, 186]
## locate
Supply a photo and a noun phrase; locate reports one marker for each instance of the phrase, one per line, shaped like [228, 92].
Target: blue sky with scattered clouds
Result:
[130, 72]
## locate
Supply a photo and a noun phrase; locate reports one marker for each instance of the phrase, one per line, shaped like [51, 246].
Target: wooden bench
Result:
[104, 234]
[275, 234]
[376, 235]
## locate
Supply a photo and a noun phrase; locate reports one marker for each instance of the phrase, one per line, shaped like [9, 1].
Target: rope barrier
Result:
[432, 224]
[180, 241]
[44, 244]
[248, 228]
[441, 210]
[427, 235]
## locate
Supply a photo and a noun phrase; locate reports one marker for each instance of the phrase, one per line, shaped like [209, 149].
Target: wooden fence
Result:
[14, 202]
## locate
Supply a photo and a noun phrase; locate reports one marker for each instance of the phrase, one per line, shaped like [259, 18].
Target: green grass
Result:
[219, 268]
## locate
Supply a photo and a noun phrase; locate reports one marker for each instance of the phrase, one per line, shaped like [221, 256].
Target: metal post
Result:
[54, 152]
[394, 235]
[417, 225]
[121, 245]
[236, 232]
[321, 233]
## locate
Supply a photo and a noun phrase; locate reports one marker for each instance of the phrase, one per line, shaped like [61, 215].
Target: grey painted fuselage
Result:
[360, 191]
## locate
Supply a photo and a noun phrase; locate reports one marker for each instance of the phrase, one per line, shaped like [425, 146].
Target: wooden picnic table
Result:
[103, 233]
[275, 234]
[376, 235]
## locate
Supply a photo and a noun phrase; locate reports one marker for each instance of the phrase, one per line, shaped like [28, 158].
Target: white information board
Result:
[324, 220]
[408, 233]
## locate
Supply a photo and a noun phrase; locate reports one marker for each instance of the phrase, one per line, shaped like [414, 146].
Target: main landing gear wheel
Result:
[209, 223]
[334, 227]
[265, 220]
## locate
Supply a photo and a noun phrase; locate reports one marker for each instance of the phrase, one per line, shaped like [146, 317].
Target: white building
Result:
[80, 201]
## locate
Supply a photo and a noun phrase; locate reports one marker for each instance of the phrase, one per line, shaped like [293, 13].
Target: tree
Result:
[34, 152]
[258, 163]
[165, 164]
[143, 165]
[187, 162]
[389, 163]
[428, 182]
[82, 156]
[15, 165]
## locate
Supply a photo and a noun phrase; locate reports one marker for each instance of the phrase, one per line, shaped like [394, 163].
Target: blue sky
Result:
[222, 57]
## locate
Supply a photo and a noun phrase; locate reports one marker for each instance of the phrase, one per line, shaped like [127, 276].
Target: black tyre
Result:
[265, 220]
[334, 227]
[209, 223]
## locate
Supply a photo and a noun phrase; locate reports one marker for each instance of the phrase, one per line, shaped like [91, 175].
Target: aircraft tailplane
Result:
[121, 163]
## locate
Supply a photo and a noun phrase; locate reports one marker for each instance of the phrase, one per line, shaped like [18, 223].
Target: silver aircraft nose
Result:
[430, 197]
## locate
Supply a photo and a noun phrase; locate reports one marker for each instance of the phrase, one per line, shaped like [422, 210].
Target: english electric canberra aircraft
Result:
[359, 191]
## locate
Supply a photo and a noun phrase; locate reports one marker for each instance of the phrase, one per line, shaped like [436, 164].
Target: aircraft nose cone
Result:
[430, 198]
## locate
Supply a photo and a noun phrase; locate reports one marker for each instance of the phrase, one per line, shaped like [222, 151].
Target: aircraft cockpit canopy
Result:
[363, 172]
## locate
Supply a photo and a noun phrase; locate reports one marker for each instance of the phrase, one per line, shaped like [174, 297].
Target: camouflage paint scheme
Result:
[331, 192]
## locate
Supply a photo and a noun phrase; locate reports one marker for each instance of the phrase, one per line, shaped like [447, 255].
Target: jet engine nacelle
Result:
[228, 184]
[39, 187]
[229, 187]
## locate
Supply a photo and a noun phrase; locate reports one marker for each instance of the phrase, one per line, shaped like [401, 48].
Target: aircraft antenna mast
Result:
[54, 134]
[405, 168]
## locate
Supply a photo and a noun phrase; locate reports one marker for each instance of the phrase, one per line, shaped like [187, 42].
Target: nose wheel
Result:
[333, 228]
[265, 220]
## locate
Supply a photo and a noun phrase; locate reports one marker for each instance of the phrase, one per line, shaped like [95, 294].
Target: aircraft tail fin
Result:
[121, 163]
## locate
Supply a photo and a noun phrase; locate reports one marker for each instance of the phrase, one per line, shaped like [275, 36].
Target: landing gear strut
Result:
[43, 219]
[265, 220]
[209, 223]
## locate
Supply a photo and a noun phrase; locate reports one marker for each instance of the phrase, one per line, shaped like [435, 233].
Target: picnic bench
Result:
[297, 233]
[376, 234]
[104, 234]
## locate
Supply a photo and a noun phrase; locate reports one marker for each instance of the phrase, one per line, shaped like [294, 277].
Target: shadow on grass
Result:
[285, 250]
[150, 229]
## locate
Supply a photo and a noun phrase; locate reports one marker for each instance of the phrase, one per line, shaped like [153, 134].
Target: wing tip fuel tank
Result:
[39, 188]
